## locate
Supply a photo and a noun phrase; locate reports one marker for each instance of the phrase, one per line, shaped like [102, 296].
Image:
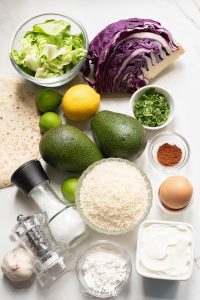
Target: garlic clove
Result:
[17, 265]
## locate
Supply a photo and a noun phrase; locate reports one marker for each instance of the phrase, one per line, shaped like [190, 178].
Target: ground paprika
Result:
[169, 155]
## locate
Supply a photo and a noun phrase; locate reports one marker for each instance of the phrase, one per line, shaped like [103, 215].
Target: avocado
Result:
[67, 148]
[118, 135]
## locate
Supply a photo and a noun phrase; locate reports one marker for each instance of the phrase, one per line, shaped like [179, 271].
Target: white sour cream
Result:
[166, 250]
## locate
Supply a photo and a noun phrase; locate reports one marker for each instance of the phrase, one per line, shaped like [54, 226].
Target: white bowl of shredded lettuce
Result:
[49, 49]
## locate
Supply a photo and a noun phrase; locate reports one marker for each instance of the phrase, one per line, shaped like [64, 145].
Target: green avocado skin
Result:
[69, 149]
[118, 135]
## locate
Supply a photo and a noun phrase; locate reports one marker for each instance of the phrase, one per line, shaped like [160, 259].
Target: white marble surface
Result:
[182, 17]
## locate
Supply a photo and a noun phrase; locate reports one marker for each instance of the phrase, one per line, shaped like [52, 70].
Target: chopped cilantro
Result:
[152, 108]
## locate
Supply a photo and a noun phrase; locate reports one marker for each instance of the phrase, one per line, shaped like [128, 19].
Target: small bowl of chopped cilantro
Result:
[152, 106]
[49, 49]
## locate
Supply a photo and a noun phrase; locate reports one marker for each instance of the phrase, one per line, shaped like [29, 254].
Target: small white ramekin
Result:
[161, 90]
[141, 272]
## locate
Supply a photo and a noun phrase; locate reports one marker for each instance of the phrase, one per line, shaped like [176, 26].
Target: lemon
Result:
[68, 189]
[49, 120]
[80, 102]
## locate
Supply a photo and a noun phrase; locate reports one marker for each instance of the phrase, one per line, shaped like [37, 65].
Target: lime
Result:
[48, 100]
[49, 120]
[68, 189]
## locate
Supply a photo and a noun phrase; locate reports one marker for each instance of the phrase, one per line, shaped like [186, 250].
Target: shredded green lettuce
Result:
[50, 49]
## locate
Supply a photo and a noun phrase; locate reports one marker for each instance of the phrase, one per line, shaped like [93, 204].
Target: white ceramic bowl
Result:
[160, 90]
[141, 271]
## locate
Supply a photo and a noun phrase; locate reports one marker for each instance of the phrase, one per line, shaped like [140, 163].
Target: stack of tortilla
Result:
[19, 130]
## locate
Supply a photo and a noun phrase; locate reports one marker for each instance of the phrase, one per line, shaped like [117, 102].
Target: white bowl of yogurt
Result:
[165, 250]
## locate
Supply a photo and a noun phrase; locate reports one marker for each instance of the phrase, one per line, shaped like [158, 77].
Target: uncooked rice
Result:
[114, 195]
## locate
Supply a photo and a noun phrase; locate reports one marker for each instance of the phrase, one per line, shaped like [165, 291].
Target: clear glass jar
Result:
[66, 225]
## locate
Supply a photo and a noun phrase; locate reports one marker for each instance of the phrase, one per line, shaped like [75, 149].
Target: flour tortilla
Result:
[19, 130]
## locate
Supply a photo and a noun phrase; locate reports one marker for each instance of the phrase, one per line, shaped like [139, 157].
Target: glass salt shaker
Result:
[50, 261]
[65, 223]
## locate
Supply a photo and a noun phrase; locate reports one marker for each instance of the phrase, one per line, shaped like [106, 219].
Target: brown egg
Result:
[175, 192]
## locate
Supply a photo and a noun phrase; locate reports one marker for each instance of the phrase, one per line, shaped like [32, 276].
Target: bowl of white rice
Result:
[113, 196]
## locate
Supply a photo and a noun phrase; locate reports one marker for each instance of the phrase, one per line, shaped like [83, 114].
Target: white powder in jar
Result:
[115, 195]
[104, 269]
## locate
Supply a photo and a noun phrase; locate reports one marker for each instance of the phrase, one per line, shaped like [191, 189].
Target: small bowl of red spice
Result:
[169, 151]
